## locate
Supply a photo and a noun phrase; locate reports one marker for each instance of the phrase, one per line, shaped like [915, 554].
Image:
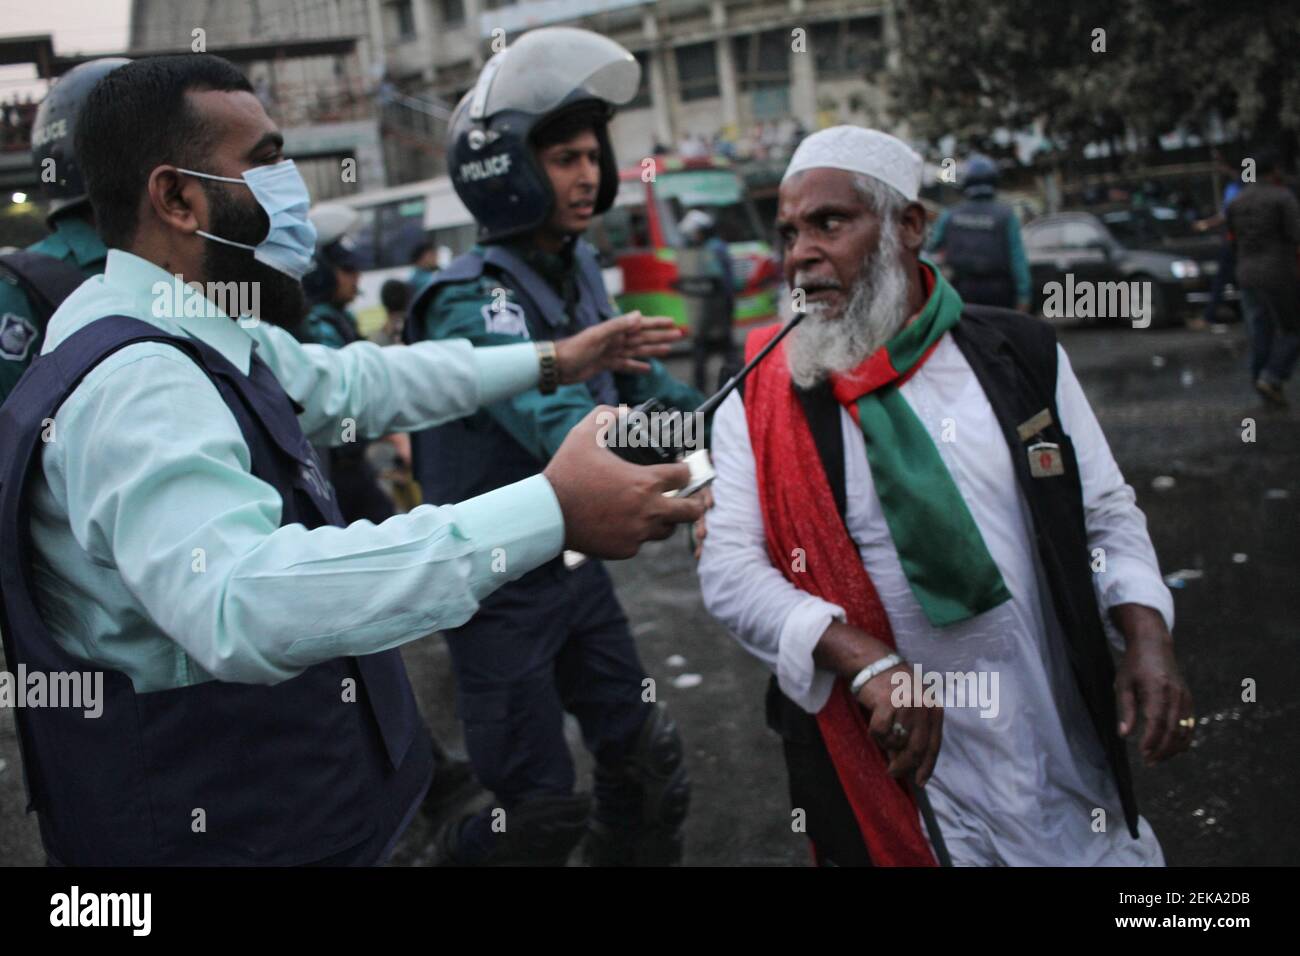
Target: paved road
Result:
[1172, 404]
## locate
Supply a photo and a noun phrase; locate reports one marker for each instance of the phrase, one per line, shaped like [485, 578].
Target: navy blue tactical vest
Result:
[474, 455]
[975, 239]
[285, 774]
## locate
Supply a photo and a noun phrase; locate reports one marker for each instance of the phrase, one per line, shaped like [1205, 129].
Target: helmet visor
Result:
[543, 68]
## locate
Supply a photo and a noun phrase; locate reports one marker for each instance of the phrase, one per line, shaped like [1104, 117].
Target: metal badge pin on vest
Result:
[1032, 427]
[1045, 459]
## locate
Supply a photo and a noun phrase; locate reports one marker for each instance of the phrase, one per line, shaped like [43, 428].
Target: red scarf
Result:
[799, 513]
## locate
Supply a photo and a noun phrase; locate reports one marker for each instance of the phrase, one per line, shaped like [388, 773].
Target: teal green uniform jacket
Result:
[322, 331]
[463, 310]
[21, 334]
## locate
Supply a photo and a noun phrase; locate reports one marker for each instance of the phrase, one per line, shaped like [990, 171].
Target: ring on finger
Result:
[899, 731]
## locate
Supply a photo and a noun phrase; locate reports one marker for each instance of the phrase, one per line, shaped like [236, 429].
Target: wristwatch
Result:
[549, 362]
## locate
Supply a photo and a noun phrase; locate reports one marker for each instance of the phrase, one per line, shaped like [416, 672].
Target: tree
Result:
[966, 69]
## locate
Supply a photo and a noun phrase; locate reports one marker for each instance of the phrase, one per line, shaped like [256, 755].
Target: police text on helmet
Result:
[486, 168]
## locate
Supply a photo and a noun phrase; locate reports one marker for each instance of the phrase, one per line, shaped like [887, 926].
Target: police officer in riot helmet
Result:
[978, 240]
[32, 284]
[530, 157]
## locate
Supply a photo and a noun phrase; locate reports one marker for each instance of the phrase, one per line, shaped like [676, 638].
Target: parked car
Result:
[1131, 245]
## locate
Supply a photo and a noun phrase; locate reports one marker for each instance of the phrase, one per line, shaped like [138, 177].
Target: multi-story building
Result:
[313, 63]
[743, 74]
[373, 81]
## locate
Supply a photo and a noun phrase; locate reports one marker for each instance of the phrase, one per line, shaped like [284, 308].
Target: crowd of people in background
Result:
[769, 140]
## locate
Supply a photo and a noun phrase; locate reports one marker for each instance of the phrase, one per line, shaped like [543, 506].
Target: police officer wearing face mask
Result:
[979, 240]
[530, 157]
[179, 543]
[34, 282]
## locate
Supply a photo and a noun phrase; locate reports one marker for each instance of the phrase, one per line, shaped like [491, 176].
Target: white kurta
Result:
[1017, 788]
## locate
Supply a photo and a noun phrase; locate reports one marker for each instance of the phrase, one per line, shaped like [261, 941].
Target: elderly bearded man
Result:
[912, 481]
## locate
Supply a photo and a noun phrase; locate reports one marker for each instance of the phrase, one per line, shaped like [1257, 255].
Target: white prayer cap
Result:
[860, 150]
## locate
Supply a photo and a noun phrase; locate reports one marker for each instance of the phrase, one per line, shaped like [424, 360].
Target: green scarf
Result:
[947, 564]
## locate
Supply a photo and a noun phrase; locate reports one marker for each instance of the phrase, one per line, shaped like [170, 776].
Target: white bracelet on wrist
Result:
[871, 670]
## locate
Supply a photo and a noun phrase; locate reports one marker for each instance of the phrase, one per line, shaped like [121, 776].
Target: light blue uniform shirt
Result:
[159, 554]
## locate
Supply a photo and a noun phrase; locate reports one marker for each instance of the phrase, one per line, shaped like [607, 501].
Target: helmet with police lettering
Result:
[334, 249]
[542, 77]
[981, 176]
[53, 131]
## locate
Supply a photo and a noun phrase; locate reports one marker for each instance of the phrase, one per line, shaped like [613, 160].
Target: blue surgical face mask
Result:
[291, 241]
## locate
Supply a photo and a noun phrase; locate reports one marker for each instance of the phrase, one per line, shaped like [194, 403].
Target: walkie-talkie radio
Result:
[663, 443]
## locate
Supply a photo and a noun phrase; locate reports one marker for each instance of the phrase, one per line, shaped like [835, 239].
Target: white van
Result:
[393, 223]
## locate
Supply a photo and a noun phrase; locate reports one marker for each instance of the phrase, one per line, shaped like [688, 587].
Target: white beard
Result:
[827, 342]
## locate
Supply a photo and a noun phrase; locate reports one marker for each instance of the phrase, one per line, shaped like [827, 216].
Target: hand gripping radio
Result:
[653, 434]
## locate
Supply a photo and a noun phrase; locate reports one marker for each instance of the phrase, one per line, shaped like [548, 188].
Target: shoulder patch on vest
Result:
[505, 318]
[16, 337]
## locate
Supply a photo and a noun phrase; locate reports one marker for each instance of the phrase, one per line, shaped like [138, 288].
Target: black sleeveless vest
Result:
[975, 240]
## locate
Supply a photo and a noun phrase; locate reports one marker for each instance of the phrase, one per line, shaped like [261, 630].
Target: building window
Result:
[453, 13]
[642, 98]
[697, 71]
[847, 48]
[762, 59]
[403, 13]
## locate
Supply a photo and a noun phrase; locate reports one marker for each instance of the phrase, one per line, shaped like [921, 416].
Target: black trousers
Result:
[714, 337]
[552, 642]
[815, 785]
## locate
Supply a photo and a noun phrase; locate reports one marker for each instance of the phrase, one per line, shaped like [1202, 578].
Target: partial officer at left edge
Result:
[30, 289]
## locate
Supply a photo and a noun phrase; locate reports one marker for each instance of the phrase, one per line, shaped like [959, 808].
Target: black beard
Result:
[280, 296]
